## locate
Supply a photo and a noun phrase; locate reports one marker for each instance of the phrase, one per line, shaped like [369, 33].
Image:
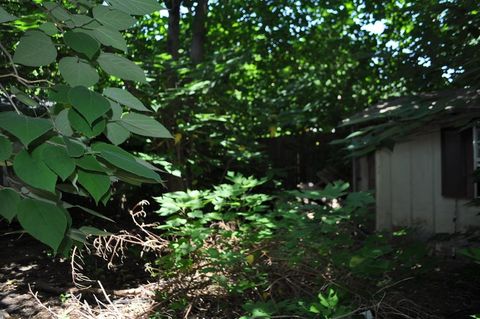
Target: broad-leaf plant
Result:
[62, 133]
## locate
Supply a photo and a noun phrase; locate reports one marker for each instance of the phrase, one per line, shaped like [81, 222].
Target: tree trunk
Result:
[173, 35]
[173, 46]
[199, 31]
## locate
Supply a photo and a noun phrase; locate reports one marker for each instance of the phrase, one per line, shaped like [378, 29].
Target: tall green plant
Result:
[61, 70]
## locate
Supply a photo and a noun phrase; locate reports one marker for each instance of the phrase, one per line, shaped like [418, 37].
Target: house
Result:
[419, 154]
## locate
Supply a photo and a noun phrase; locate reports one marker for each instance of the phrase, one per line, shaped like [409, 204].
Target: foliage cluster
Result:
[273, 68]
[295, 253]
[72, 110]
[266, 68]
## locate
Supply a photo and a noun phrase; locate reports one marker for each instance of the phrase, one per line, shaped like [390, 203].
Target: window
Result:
[476, 158]
[458, 160]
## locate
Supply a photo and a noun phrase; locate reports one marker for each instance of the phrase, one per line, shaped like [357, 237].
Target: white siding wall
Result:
[408, 189]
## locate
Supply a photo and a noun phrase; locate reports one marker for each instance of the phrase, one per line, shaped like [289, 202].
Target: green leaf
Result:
[89, 104]
[23, 97]
[89, 230]
[9, 200]
[49, 28]
[6, 148]
[76, 235]
[62, 125]
[58, 160]
[77, 72]
[121, 67]
[75, 148]
[124, 160]
[81, 125]
[91, 26]
[86, 3]
[57, 11]
[97, 184]
[106, 198]
[314, 308]
[5, 16]
[33, 171]
[116, 133]
[356, 261]
[82, 43]
[25, 128]
[89, 211]
[136, 7]
[35, 49]
[90, 163]
[59, 93]
[44, 221]
[80, 20]
[113, 18]
[110, 37]
[124, 97]
[117, 111]
[144, 125]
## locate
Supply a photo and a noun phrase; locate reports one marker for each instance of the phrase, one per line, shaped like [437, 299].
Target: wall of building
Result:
[408, 189]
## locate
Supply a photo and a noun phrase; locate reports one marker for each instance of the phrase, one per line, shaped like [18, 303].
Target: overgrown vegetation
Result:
[79, 78]
[231, 251]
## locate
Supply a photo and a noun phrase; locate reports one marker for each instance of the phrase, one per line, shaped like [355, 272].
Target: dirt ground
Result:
[450, 289]
[26, 269]
[24, 262]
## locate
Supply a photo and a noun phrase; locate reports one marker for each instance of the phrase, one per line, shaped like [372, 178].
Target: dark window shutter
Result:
[457, 163]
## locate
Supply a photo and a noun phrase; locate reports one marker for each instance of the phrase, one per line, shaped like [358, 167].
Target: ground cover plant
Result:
[287, 255]
[232, 251]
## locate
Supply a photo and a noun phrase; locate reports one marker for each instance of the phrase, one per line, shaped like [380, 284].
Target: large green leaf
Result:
[9, 200]
[32, 170]
[58, 160]
[49, 28]
[89, 230]
[134, 179]
[62, 125]
[77, 72]
[90, 163]
[97, 184]
[89, 104]
[117, 111]
[81, 125]
[5, 16]
[116, 133]
[124, 97]
[136, 7]
[88, 210]
[23, 97]
[121, 67]
[57, 11]
[35, 49]
[81, 20]
[113, 18]
[6, 148]
[144, 125]
[75, 148]
[44, 221]
[25, 128]
[82, 43]
[124, 160]
[110, 37]
[59, 93]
